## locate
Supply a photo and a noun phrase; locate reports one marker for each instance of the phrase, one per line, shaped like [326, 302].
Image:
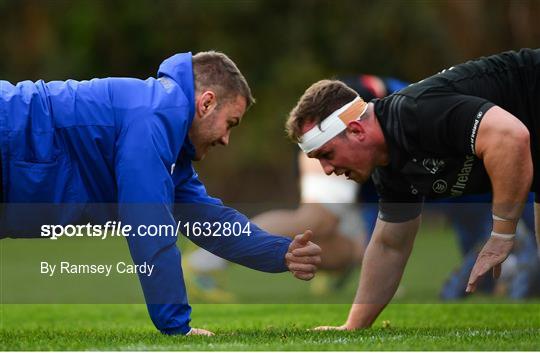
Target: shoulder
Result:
[398, 117]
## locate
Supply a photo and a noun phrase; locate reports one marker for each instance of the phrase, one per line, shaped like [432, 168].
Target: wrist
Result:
[504, 227]
[504, 236]
[352, 324]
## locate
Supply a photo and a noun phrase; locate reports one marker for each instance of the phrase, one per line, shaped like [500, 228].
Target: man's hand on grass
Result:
[332, 328]
[494, 252]
[199, 332]
[303, 256]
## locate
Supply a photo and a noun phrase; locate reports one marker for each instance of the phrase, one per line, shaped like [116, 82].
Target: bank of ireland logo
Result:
[439, 186]
[433, 165]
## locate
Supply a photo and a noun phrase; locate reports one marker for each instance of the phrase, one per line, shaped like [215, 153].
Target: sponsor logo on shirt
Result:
[463, 176]
[439, 186]
[475, 129]
[433, 165]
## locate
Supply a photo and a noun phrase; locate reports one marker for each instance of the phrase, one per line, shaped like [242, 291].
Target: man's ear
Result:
[205, 103]
[356, 129]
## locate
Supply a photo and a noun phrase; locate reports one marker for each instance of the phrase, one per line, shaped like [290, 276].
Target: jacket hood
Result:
[179, 68]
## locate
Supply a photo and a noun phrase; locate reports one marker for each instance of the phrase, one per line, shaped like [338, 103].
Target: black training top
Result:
[430, 128]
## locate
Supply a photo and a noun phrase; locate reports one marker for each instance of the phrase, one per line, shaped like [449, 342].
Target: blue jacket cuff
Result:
[281, 251]
[182, 330]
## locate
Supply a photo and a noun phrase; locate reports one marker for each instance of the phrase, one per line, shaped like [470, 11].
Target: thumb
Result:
[304, 238]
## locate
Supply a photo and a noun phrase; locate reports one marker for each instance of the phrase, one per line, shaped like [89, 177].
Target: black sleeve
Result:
[398, 202]
[443, 123]
[434, 123]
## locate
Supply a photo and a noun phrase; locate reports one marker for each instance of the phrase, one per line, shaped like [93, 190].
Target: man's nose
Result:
[225, 139]
[327, 167]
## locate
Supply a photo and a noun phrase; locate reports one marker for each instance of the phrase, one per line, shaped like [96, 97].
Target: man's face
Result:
[212, 127]
[349, 154]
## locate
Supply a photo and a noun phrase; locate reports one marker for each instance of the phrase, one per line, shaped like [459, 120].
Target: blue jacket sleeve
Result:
[253, 248]
[145, 196]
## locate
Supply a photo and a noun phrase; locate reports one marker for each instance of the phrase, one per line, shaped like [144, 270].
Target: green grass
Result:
[277, 317]
[273, 327]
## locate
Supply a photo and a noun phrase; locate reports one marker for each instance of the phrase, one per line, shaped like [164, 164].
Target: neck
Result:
[383, 157]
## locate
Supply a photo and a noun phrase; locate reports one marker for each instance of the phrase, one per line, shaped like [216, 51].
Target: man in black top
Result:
[468, 129]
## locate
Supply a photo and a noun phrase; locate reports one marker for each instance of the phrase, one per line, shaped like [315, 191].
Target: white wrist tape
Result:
[497, 218]
[331, 126]
[503, 235]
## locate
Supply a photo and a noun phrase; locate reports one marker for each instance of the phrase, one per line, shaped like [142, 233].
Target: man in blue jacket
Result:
[75, 148]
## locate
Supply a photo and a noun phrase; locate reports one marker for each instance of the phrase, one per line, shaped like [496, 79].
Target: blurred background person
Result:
[328, 208]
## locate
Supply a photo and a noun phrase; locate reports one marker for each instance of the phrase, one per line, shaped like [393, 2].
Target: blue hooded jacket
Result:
[116, 141]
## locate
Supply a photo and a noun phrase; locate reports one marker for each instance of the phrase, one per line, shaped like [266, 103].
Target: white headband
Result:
[332, 125]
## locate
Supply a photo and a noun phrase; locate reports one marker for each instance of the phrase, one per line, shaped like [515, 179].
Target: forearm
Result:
[164, 289]
[511, 184]
[382, 269]
[251, 247]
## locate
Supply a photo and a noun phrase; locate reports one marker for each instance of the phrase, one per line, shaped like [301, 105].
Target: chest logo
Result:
[439, 186]
[463, 176]
[433, 165]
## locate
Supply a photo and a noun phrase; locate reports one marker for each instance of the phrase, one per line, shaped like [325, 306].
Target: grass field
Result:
[273, 327]
[417, 321]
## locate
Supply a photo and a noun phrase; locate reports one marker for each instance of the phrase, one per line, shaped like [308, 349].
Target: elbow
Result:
[392, 242]
[396, 236]
[513, 141]
[523, 139]
[523, 142]
[516, 134]
[518, 143]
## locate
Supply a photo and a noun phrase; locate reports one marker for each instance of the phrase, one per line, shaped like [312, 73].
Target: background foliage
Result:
[281, 46]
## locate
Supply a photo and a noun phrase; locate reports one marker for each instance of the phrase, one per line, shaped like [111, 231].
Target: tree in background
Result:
[281, 46]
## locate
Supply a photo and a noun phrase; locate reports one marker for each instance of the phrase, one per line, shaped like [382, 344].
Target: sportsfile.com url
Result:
[117, 229]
